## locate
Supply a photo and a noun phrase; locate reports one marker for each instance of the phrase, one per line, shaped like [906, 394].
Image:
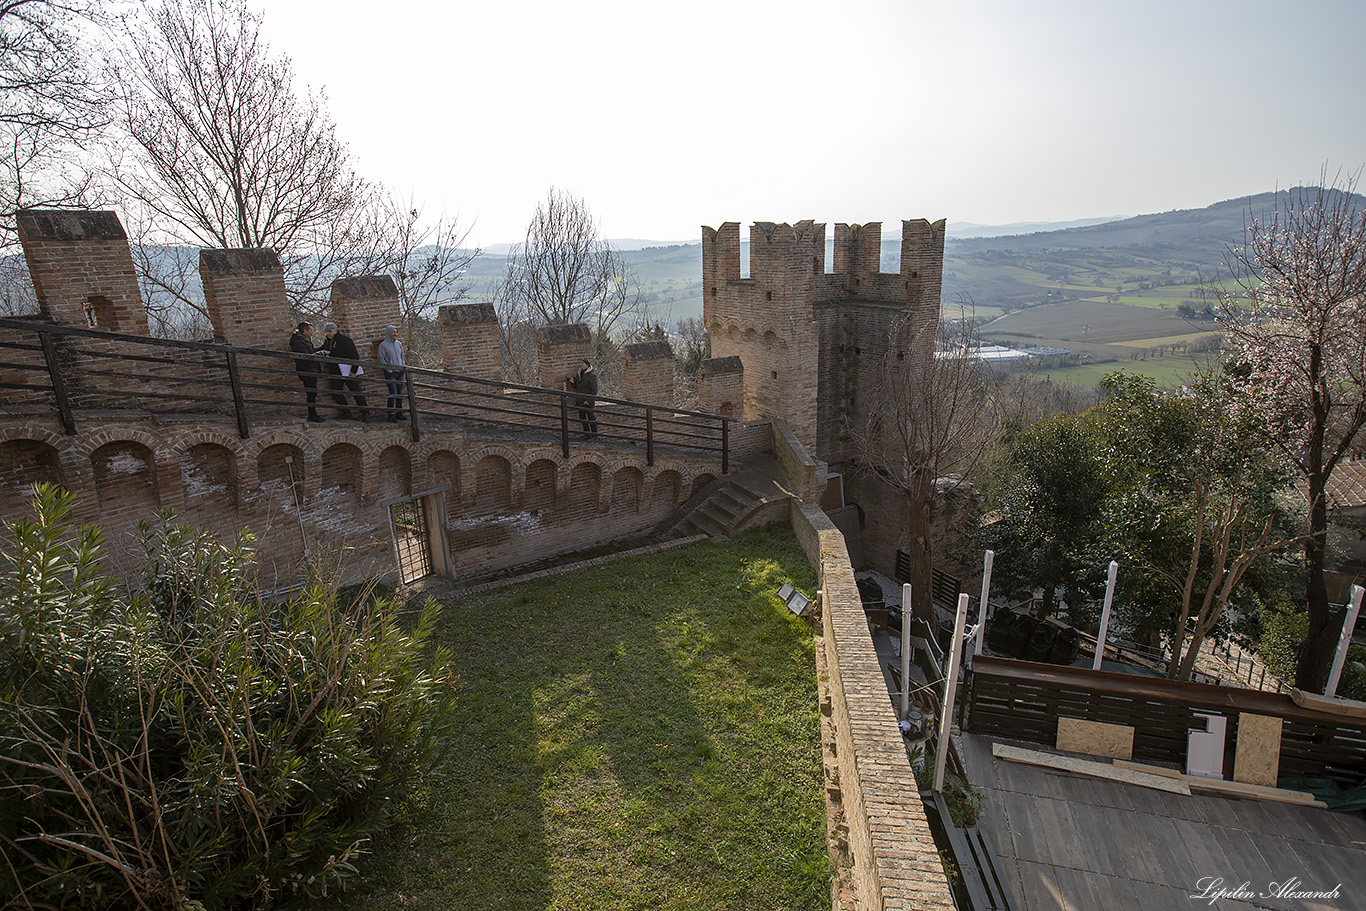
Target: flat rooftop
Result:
[1071, 842]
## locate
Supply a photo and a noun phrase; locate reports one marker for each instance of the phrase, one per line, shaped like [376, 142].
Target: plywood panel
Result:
[1258, 756]
[1098, 738]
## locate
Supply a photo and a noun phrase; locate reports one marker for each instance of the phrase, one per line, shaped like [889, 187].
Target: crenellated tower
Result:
[811, 342]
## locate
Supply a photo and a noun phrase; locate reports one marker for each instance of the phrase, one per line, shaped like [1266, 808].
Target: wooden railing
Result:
[1024, 700]
[75, 372]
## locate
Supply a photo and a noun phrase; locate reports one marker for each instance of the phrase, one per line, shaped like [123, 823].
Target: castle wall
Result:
[506, 503]
[558, 350]
[895, 861]
[363, 307]
[470, 344]
[244, 292]
[766, 320]
[82, 269]
[648, 373]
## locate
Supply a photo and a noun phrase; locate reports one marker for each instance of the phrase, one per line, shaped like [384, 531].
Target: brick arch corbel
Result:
[469, 478]
[76, 469]
[370, 466]
[250, 479]
[170, 494]
[604, 475]
[661, 466]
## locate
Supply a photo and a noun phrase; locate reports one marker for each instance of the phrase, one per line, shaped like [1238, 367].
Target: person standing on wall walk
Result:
[585, 382]
[301, 342]
[391, 356]
[345, 371]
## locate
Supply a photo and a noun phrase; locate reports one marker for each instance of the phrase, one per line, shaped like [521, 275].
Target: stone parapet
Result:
[363, 306]
[895, 860]
[82, 269]
[470, 342]
[558, 351]
[648, 373]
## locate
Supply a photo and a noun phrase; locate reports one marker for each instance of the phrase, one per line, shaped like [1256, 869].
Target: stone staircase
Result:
[755, 494]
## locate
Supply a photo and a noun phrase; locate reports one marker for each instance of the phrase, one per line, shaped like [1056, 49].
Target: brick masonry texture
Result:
[648, 373]
[558, 350]
[801, 332]
[363, 307]
[895, 861]
[470, 341]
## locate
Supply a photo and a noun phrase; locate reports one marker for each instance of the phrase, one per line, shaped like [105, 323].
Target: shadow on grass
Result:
[643, 734]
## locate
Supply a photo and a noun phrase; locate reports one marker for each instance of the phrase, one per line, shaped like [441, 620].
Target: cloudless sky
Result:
[668, 116]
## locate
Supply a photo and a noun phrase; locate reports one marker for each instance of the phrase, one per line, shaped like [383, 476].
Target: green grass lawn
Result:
[638, 735]
[1167, 371]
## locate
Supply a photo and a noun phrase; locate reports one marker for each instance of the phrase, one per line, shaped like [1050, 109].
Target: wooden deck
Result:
[1074, 843]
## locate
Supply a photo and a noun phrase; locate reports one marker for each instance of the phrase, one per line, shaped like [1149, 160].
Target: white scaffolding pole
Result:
[905, 650]
[986, 593]
[1349, 624]
[950, 690]
[1105, 615]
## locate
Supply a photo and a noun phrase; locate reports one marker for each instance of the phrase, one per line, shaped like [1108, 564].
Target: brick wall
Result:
[469, 340]
[558, 350]
[721, 386]
[82, 269]
[509, 501]
[362, 307]
[244, 292]
[895, 860]
[648, 373]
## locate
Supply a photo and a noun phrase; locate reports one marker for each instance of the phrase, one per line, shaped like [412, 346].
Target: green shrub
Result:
[190, 744]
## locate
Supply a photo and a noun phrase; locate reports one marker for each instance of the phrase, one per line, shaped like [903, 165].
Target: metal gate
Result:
[408, 524]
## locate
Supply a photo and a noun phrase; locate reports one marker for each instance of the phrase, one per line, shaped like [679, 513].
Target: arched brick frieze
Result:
[341, 472]
[443, 470]
[126, 479]
[279, 466]
[305, 451]
[585, 489]
[700, 481]
[666, 492]
[539, 491]
[628, 485]
[24, 463]
[492, 485]
[470, 466]
[394, 473]
[208, 477]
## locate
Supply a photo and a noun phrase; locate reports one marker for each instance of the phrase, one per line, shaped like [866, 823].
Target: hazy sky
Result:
[667, 116]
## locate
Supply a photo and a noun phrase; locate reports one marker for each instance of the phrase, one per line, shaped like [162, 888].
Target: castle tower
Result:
[766, 320]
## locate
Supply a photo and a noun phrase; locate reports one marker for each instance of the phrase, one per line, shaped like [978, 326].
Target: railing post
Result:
[412, 407]
[725, 446]
[564, 424]
[54, 370]
[649, 435]
[235, 380]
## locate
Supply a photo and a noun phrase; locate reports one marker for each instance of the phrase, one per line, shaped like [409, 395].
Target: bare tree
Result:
[427, 261]
[927, 426]
[51, 103]
[222, 150]
[1296, 322]
[564, 272]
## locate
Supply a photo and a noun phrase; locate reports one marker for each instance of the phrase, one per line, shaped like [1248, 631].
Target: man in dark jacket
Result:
[585, 382]
[301, 342]
[345, 371]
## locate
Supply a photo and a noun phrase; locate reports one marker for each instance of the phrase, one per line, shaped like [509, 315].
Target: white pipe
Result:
[950, 688]
[1105, 616]
[1349, 624]
[986, 593]
[905, 651]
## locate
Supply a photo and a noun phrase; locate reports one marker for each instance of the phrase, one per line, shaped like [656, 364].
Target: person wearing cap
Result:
[345, 371]
[301, 342]
[391, 357]
[585, 382]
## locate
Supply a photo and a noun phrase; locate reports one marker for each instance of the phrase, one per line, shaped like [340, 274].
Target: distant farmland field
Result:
[1111, 336]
